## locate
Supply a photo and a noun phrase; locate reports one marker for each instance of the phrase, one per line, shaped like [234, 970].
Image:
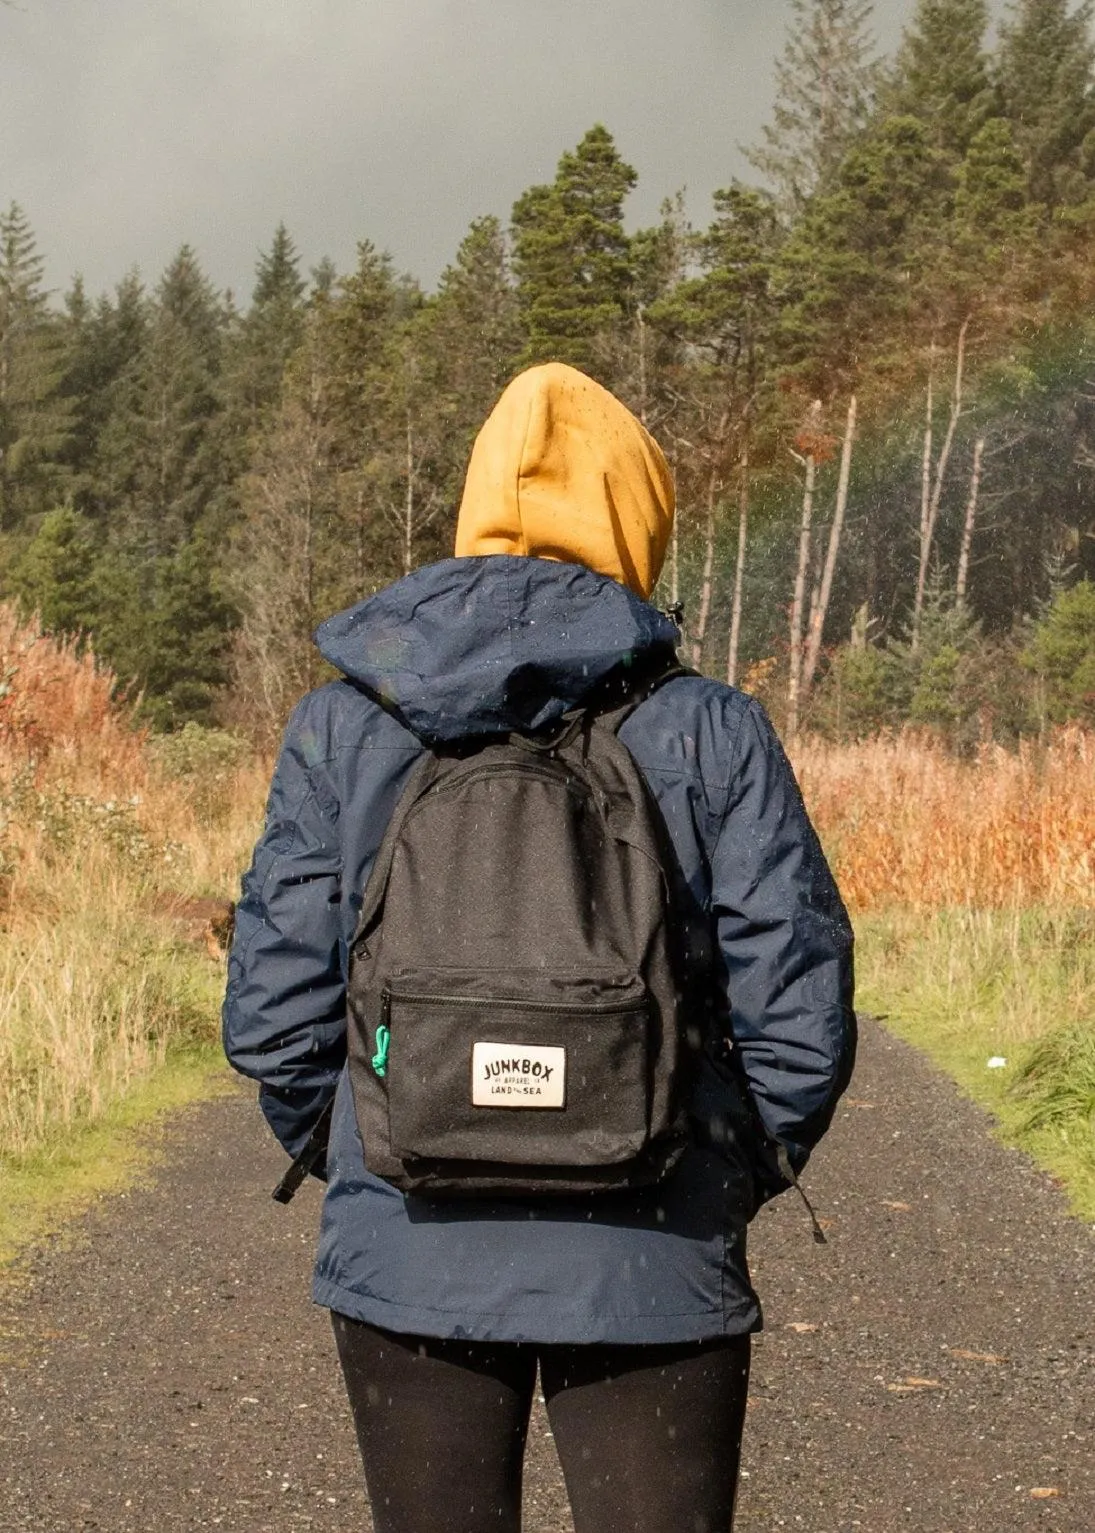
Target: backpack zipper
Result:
[560, 777]
[599, 1007]
[379, 1060]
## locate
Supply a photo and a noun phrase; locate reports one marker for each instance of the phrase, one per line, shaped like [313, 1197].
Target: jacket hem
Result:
[512, 1326]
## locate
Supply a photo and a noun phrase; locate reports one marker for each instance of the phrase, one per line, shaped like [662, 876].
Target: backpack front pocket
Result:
[520, 1069]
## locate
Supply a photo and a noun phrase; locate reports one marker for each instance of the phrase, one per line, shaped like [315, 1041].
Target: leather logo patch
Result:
[517, 1075]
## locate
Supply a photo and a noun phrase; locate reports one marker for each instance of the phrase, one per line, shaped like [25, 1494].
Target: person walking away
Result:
[634, 1304]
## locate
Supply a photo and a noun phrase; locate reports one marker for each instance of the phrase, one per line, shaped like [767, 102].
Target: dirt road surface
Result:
[932, 1370]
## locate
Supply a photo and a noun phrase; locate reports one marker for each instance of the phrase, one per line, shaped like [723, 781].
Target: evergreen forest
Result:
[872, 368]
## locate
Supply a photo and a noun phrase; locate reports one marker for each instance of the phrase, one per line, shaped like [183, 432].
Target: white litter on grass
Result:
[997, 1062]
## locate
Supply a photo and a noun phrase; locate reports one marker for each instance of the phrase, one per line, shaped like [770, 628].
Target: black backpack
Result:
[516, 987]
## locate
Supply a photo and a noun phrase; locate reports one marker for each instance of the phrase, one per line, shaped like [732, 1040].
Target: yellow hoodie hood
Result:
[562, 470]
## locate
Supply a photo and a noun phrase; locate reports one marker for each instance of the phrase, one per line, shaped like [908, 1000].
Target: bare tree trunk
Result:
[928, 522]
[820, 607]
[739, 566]
[408, 510]
[926, 459]
[640, 319]
[700, 630]
[798, 600]
[969, 523]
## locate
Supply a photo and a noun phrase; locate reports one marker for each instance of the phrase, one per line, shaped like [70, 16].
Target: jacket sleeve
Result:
[284, 1020]
[786, 944]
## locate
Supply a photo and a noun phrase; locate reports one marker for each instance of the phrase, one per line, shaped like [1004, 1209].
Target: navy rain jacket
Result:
[495, 643]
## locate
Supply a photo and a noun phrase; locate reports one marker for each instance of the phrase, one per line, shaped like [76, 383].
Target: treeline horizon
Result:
[873, 374]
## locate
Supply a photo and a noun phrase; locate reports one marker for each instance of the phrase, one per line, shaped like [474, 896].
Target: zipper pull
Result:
[383, 1038]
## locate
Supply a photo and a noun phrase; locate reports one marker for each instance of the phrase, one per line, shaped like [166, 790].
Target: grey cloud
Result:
[133, 125]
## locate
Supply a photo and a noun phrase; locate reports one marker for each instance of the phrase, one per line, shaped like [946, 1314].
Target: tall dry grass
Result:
[907, 825]
[113, 854]
[972, 884]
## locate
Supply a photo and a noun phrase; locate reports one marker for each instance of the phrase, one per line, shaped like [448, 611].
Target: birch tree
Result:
[819, 605]
[969, 521]
[811, 447]
[932, 482]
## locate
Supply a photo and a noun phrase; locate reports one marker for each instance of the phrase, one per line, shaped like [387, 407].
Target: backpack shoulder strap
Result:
[376, 886]
[615, 718]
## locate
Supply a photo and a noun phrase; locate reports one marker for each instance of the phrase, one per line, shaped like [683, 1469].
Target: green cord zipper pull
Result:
[380, 1058]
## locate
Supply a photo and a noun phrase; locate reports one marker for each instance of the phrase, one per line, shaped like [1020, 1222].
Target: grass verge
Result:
[119, 855]
[970, 986]
[70, 1171]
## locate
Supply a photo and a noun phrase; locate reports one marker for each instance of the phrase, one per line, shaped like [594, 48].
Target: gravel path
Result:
[931, 1370]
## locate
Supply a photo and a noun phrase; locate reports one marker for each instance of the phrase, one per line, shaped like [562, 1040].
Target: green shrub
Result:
[1062, 652]
[202, 763]
[198, 751]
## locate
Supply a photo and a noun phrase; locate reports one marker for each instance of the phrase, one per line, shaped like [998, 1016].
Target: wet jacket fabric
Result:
[488, 644]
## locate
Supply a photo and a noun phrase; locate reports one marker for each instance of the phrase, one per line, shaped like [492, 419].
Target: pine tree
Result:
[162, 451]
[847, 273]
[267, 337]
[101, 356]
[100, 341]
[652, 356]
[725, 319]
[288, 568]
[476, 315]
[941, 74]
[359, 330]
[55, 576]
[571, 256]
[1062, 652]
[994, 224]
[35, 418]
[185, 661]
[470, 340]
[825, 86]
[359, 322]
[1044, 69]
[277, 274]
[385, 427]
[80, 366]
[324, 277]
[164, 477]
[935, 671]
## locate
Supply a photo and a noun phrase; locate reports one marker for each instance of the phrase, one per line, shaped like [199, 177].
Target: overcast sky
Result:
[130, 126]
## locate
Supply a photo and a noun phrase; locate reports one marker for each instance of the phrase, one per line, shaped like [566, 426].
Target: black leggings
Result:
[648, 1436]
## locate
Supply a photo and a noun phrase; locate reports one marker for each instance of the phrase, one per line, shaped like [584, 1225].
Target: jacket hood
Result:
[562, 470]
[488, 644]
